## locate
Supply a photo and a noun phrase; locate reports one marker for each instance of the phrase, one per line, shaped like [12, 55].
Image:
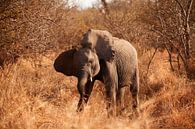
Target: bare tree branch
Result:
[150, 61]
[181, 6]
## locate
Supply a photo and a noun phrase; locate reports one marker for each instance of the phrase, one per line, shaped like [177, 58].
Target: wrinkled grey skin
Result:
[118, 67]
[124, 68]
[84, 65]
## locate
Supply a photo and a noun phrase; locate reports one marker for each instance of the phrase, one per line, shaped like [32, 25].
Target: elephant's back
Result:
[126, 61]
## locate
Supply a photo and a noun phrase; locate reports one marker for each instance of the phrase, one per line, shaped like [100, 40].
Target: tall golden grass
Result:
[34, 96]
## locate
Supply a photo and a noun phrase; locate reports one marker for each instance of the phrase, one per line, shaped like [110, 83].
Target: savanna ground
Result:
[34, 96]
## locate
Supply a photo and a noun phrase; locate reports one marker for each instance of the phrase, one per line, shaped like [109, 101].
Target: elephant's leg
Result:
[111, 83]
[111, 100]
[88, 90]
[134, 93]
[120, 99]
[81, 88]
[80, 106]
[134, 89]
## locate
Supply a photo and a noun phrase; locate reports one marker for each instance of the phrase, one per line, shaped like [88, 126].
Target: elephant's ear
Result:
[101, 41]
[64, 63]
[104, 47]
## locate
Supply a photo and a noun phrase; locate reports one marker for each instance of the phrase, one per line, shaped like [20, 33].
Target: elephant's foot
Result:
[135, 107]
[80, 107]
[124, 111]
[135, 114]
[111, 111]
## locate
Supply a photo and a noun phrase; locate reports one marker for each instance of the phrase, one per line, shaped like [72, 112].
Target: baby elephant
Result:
[116, 67]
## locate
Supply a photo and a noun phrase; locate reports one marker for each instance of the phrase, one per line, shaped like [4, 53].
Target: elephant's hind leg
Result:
[135, 102]
[134, 89]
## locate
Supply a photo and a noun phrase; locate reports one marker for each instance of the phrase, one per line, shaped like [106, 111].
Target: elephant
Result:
[108, 59]
[118, 66]
[82, 63]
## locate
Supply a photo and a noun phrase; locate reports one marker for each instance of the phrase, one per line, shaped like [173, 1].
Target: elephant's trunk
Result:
[90, 74]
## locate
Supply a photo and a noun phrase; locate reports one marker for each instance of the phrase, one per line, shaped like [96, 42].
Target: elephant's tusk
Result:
[91, 79]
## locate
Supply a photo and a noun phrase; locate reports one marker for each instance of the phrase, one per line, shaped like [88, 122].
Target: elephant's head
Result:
[101, 41]
[79, 63]
[82, 63]
[85, 61]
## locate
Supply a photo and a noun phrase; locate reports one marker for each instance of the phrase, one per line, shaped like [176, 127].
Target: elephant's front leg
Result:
[120, 99]
[85, 87]
[88, 90]
[82, 80]
[111, 83]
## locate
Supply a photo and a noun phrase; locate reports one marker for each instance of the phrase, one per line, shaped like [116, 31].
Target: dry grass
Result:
[34, 96]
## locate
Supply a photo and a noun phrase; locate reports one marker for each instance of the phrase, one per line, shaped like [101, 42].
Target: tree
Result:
[170, 21]
[31, 26]
[121, 18]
